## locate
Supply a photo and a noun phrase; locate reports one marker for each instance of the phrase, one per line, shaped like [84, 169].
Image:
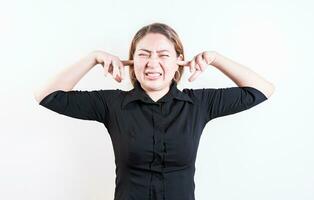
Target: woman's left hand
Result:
[199, 63]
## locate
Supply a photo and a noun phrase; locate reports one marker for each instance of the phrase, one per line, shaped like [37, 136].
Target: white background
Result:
[263, 153]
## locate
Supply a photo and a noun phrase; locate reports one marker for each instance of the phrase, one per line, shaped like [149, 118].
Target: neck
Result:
[156, 95]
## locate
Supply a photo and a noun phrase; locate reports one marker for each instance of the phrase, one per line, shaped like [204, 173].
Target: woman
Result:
[154, 128]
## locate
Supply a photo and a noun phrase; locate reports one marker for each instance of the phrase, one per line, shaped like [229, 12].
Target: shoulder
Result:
[116, 97]
[198, 93]
[112, 94]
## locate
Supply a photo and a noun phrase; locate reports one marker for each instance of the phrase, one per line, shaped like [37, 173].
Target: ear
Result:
[180, 57]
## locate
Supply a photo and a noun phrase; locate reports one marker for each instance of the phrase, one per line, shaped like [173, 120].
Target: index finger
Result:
[183, 62]
[127, 62]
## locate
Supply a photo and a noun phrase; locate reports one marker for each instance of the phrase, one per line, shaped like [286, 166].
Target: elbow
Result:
[37, 96]
[270, 90]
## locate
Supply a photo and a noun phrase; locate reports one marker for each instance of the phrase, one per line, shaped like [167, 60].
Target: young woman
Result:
[154, 128]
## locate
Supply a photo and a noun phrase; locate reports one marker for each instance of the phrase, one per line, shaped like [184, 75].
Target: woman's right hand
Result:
[111, 64]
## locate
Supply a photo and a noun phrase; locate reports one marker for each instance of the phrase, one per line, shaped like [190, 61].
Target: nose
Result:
[153, 61]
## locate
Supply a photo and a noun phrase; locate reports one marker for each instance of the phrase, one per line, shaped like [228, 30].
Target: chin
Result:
[155, 86]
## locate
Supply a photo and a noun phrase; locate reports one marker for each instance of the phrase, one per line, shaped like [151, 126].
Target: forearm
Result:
[67, 78]
[242, 76]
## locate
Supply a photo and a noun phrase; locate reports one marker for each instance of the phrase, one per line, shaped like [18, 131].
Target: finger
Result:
[195, 75]
[122, 70]
[192, 68]
[197, 67]
[207, 58]
[119, 73]
[114, 69]
[127, 62]
[106, 67]
[200, 62]
[183, 62]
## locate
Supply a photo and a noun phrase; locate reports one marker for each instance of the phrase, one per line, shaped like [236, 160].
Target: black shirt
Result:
[155, 143]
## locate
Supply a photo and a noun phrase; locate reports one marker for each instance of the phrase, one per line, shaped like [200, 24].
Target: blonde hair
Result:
[160, 28]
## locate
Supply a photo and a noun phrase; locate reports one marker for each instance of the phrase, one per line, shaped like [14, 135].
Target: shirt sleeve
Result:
[86, 105]
[225, 101]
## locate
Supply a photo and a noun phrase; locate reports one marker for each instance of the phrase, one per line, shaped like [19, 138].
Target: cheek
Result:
[139, 63]
[138, 69]
[169, 71]
[171, 67]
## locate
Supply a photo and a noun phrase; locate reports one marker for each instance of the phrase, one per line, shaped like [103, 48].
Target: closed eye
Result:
[147, 55]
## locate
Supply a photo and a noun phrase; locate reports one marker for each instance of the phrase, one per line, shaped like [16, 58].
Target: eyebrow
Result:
[151, 51]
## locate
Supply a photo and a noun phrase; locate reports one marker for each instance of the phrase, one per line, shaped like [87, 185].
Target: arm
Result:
[241, 75]
[67, 78]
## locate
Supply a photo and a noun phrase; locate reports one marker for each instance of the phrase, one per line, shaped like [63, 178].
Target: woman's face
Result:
[155, 62]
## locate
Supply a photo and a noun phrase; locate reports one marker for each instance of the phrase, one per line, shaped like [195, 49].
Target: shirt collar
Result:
[138, 94]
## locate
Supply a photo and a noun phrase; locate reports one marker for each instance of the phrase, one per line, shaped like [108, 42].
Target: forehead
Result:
[155, 42]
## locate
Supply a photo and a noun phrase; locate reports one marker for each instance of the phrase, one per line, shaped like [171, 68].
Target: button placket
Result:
[159, 150]
[163, 150]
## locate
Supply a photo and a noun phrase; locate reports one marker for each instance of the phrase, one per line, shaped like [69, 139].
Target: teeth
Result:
[152, 73]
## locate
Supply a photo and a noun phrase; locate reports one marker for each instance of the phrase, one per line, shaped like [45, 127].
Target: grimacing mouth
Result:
[146, 73]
